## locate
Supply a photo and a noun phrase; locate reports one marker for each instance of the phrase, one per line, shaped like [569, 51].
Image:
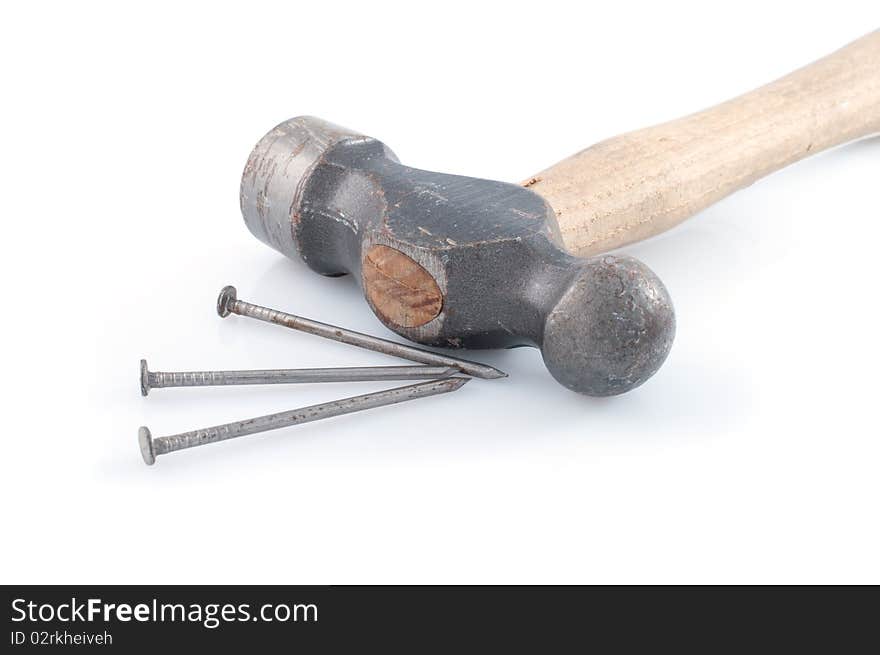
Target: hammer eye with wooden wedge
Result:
[453, 261]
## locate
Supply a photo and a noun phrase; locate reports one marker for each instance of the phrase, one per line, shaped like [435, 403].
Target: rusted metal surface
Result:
[165, 379]
[229, 303]
[152, 448]
[330, 196]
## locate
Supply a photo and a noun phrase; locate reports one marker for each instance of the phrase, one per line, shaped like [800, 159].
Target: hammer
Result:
[461, 262]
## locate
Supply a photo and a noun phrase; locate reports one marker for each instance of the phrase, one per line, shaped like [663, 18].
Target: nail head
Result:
[145, 378]
[145, 440]
[228, 295]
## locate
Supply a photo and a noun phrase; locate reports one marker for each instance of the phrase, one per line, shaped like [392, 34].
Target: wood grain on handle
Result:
[639, 184]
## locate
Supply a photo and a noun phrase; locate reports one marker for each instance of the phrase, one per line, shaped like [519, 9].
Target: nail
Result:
[160, 379]
[152, 448]
[228, 303]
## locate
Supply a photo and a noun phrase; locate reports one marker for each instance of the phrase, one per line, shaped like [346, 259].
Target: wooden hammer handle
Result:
[639, 184]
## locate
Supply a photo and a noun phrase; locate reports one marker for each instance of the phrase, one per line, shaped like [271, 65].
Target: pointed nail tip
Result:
[489, 373]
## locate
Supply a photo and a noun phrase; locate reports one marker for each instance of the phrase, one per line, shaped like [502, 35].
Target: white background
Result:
[752, 456]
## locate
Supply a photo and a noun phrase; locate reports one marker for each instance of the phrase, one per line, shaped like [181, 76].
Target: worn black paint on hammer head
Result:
[604, 324]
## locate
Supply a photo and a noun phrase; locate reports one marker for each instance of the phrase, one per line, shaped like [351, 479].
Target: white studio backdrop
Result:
[752, 456]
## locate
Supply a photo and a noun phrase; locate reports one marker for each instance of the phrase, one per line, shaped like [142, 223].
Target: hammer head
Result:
[454, 261]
